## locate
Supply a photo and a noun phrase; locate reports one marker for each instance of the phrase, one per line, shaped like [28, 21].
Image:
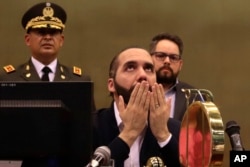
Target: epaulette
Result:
[77, 70]
[9, 68]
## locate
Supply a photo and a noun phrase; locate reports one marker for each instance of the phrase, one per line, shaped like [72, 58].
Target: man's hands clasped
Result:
[145, 105]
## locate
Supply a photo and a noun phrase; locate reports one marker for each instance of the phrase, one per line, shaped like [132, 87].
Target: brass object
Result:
[48, 11]
[28, 75]
[27, 67]
[202, 134]
[61, 69]
[63, 76]
[155, 162]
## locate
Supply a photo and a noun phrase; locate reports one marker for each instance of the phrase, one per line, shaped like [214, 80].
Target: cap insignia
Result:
[48, 11]
[77, 70]
[9, 68]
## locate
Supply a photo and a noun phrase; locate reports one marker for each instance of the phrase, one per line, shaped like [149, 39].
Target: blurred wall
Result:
[216, 35]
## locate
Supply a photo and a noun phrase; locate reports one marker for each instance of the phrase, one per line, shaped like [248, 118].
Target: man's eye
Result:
[41, 32]
[150, 69]
[45, 32]
[174, 57]
[161, 55]
[130, 68]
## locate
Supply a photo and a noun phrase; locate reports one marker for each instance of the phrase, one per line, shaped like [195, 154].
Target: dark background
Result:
[216, 35]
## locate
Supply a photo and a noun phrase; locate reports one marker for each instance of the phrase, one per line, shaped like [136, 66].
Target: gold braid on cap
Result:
[45, 20]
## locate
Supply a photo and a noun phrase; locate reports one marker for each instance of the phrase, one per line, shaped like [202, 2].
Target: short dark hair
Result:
[113, 66]
[166, 36]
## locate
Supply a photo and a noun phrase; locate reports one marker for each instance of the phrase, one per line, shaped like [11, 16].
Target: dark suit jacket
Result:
[180, 100]
[27, 72]
[106, 133]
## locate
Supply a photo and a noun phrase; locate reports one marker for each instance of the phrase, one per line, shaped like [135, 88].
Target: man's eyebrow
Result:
[129, 63]
[149, 65]
[132, 62]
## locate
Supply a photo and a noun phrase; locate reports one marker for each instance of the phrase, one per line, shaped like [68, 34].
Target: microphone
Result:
[155, 162]
[101, 157]
[233, 131]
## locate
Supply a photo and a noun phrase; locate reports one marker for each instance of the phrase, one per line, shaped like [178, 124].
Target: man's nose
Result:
[142, 76]
[167, 60]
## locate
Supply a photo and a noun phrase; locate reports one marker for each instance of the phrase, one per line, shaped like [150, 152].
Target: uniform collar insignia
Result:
[9, 68]
[77, 70]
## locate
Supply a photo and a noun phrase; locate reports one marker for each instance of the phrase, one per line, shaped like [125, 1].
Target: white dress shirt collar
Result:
[117, 116]
[39, 66]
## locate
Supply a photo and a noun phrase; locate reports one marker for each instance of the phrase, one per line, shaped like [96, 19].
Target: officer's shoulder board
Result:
[77, 71]
[9, 69]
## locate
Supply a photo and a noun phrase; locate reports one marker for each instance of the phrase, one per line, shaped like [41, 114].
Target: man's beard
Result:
[164, 78]
[125, 93]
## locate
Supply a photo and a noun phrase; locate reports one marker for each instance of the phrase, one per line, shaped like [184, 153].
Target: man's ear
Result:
[181, 64]
[62, 40]
[111, 86]
[27, 39]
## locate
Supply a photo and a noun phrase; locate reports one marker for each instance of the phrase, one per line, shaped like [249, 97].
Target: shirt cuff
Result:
[162, 144]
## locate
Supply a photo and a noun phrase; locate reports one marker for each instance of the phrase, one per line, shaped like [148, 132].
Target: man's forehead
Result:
[135, 55]
[167, 45]
[135, 51]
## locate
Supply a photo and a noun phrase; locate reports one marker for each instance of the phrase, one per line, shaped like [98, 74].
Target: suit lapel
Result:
[149, 147]
[180, 98]
[112, 121]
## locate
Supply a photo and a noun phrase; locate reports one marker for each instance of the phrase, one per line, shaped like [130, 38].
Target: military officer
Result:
[44, 24]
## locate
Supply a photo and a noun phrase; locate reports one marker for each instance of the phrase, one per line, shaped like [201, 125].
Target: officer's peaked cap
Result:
[44, 15]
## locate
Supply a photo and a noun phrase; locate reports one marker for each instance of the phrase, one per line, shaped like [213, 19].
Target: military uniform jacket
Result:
[27, 72]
